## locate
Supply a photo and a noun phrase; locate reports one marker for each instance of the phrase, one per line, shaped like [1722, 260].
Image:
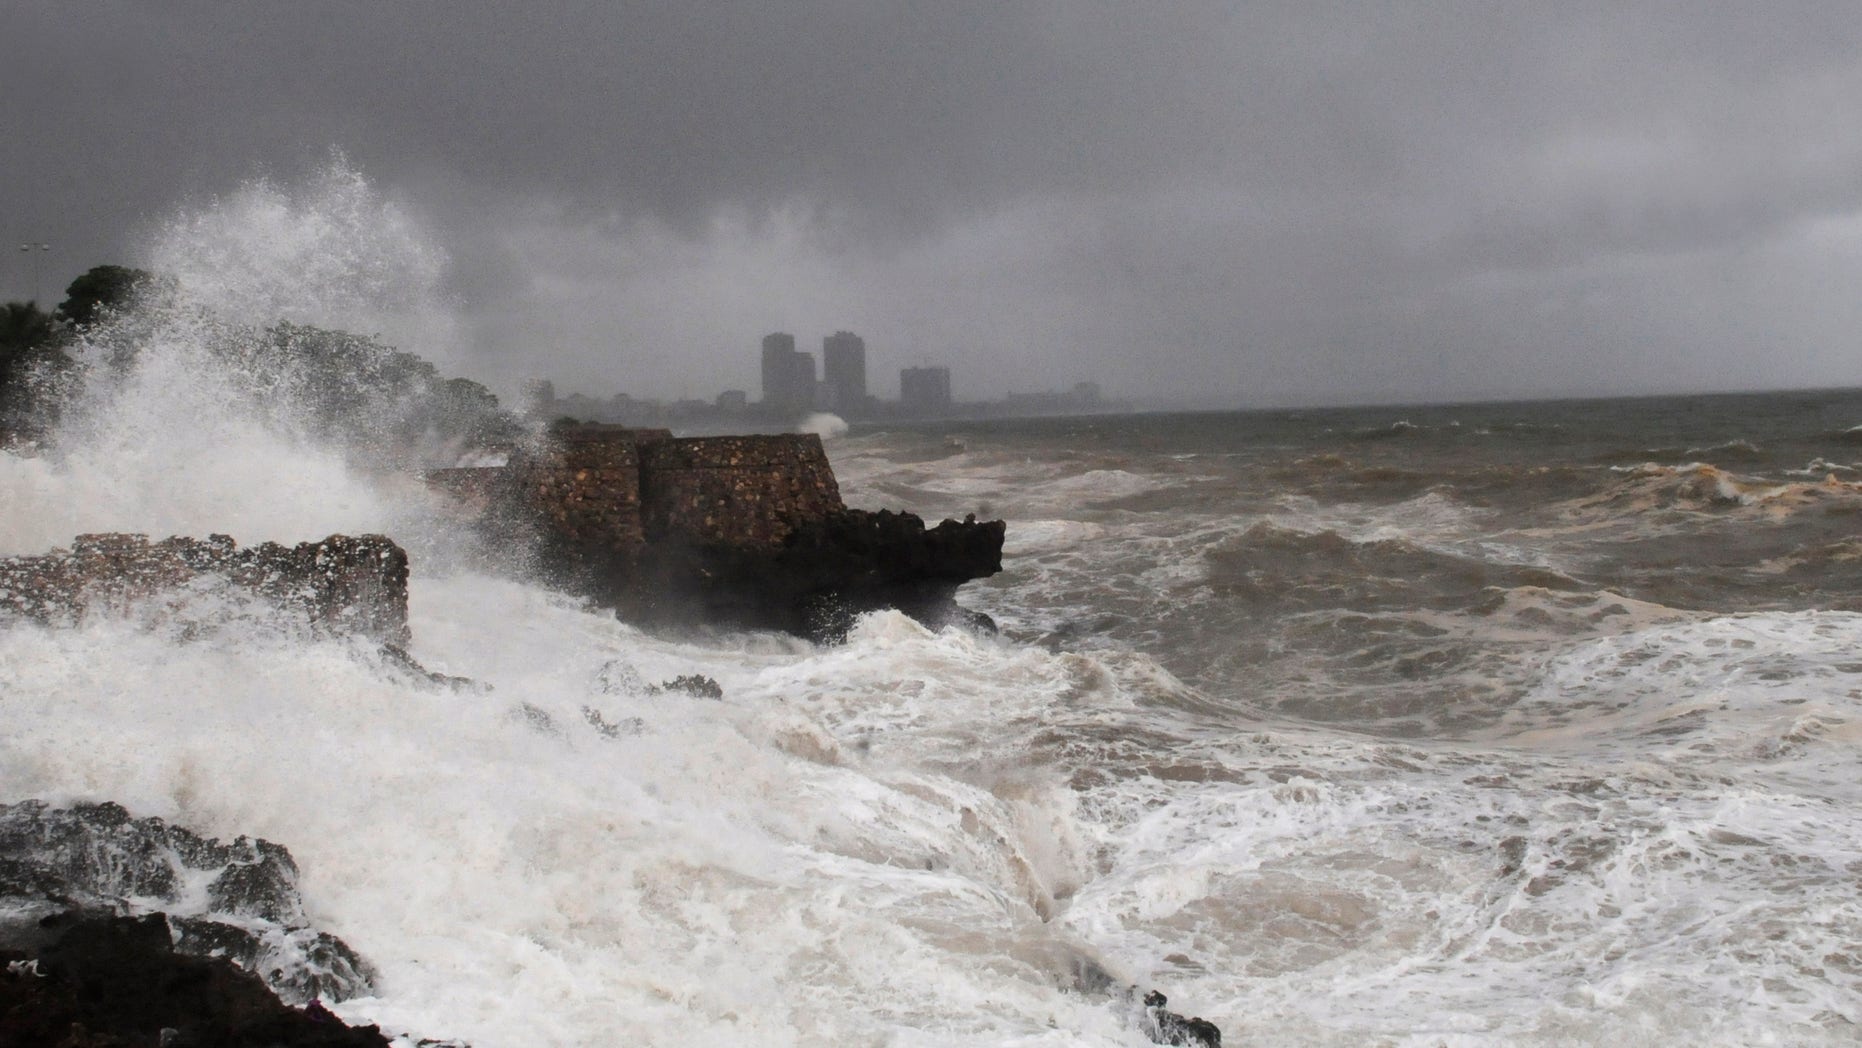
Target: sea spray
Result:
[1475, 745]
[329, 250]
[202, 409]
[738, 868]
[517, 876]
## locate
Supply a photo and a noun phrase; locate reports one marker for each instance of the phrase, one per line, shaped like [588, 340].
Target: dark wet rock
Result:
[59, 866]
[117, 982]
[299, 964]
[1168, 1027]
[396, 659]
[341, 585]
[619, 678]
[536, 718]
[746, 532]
[608, 729]
[695, 685]
[1088, 976]
[815, 583]
[266, 890]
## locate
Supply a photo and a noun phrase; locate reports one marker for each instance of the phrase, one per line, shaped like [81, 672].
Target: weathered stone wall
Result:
[736, 491]
[584, 487]
[604, 490]
[744, 530]
[344, 584]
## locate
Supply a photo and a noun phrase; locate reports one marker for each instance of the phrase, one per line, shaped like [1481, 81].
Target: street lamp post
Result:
[36, 252]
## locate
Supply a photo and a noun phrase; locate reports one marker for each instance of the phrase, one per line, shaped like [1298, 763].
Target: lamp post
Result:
[36, 252]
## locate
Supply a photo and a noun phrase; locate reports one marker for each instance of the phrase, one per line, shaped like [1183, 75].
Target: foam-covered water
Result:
[1469, 726]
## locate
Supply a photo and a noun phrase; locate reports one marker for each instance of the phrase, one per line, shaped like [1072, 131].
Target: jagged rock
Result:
[536, 718]
[396, 659]
[608, 729]
[58, 865]
[822, 575]
[619, 678]
[695, 685]
[1167, 1027]
[117, 982]
[737, 531]
[343, 584]
[1146, 1010]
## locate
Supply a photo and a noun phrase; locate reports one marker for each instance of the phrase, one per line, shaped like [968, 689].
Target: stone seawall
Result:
[737, 491]
[741, 530]
[584, 488]
[341, 584]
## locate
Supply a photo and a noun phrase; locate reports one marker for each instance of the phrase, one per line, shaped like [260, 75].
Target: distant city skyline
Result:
[791, 390]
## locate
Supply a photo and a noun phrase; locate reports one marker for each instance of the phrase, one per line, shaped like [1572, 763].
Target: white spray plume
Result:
[166, 438]
[823, 425]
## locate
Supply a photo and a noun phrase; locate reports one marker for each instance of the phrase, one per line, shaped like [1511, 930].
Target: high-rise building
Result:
[777, 349]
[803, 381]
[788, 376]
[924, 391]
[843, 364]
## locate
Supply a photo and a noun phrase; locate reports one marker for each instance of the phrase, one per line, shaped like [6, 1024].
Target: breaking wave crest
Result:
[204, 408]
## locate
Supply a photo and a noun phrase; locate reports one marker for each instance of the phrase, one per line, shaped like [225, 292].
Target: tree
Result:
[100, 288]
[23, 326]
[31, 361]
[357, 391]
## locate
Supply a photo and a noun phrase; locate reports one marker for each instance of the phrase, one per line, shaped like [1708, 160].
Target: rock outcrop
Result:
[341, 585]
[235, 900]
[1167, 1027]
[745, 531]
[117, 982]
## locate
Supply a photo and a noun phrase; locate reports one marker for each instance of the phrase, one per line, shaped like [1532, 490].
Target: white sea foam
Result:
[779, 867]
[823, 425]
[1032, 537]
[1773, 693]
[867, 842]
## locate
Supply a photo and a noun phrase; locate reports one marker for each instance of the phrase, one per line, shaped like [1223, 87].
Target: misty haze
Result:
[964, 524]
[1209, 206]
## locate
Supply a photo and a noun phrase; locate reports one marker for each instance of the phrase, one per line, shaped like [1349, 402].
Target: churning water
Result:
[1492, 725]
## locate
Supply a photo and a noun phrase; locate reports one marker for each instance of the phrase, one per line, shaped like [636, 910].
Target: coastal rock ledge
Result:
[343, 584]
[744, 531]
[119, 932]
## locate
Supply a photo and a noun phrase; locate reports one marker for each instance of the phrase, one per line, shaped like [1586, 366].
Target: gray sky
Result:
[1230, 202]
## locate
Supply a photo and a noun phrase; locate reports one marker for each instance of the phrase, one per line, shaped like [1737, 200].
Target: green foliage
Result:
[23, 325]
[33, 366]
[358, 391]
[390, 406]
[99, 290]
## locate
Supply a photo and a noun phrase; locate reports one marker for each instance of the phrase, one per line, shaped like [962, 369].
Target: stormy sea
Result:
[1497, 724]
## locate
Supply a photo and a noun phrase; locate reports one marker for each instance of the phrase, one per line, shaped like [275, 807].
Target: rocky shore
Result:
[123, 932]
[341, 585]
[118, 982]
[107, 939]
[740, 532]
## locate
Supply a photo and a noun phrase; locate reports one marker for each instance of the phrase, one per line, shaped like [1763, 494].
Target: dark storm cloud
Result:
[1288, 200]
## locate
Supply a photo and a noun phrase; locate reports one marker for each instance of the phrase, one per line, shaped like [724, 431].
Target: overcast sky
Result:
[1254, 203]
